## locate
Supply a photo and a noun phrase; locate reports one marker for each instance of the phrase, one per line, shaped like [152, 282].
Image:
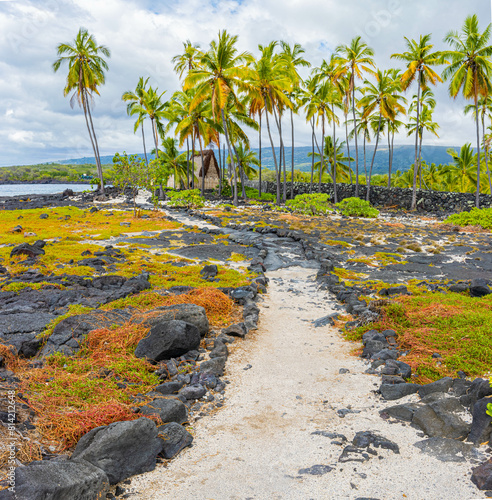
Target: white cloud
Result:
[144, 35]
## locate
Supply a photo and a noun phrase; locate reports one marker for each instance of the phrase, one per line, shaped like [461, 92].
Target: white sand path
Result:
[254, 447]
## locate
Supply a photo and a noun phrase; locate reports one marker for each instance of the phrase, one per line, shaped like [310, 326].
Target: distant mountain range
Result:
[403, 157]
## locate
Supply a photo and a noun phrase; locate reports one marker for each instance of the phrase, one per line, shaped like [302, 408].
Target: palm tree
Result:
[236, 119]
[188, 60]
[485, 104]
[462, 169]
[86, 68]
[173, 161]
[244, 159]
[320, 106]
[354, 59]
[420, 59]
[339, 169]
[135, 99]
[294, 56]
[470, 70]
[269, 82]
[222, 70]
[383, 98]
[364, 128]
[425, 123]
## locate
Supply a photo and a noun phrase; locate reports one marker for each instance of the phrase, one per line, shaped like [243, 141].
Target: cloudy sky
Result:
[38, 124]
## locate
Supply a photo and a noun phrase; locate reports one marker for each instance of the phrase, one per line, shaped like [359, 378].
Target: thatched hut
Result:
[212, 172]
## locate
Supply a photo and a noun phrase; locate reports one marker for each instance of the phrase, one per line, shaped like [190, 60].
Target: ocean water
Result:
[27, 189]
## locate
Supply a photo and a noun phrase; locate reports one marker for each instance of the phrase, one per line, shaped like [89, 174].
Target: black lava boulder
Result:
[121, 449]
[168, 339]
[175, 437]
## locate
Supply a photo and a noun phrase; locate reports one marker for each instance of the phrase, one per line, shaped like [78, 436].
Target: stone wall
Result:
[427, 201]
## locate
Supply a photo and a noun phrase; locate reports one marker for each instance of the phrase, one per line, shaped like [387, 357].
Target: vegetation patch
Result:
[476, 217]
[453, 325]
[97, 386]
[218, 306]
[189, 198]
[310, 204]
[355, 207]
[17, 286]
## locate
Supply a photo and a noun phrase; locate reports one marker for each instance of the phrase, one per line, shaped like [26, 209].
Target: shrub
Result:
[355, 207]
[310, 204]
[190, 198]
[476, 217]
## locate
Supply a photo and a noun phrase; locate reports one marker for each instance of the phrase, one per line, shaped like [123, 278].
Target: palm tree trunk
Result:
[99, 171]
[477, 196]
[335, 197]
[220, 166]
[259, 166]
[389, 158]
[312, 156]
[98, 156]
[279, 170]
[348, 152]
[273, 152]
[414, 189]
[203, 164]
[224, 124]
[368, 183]
[292, 170]
[187, 163]
[192, 160]
[156, 143]
[365, 166]
[420, 160]
[282, 158]
[392, 151]
[145, 149]
[486, 153]
[322, 151]
[355, 136]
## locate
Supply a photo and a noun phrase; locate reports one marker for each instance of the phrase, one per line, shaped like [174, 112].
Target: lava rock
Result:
[195, 391]
[442, 385]
[479, 287]
[440, 417]
[31, 251]
[169, 410]
[401, 412]
[171, 387]
[168, 339]
[209, 271]
[220, 349]
[190, 313]
[58, 480]
[391, 392]
[364, 439]
[121, 449]
[481, 429]
[236, 330]
[175, 437]
[215, 366]
[482, 475]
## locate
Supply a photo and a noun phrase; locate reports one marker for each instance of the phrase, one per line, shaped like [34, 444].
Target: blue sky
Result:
[39, 125]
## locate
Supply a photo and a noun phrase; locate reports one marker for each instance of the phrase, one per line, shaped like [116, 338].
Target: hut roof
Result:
[208, 158]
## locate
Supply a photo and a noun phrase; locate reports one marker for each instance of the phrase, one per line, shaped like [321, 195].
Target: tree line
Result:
[224, 94]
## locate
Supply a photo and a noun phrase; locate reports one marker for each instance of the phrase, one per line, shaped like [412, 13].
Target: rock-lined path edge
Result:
[293, 387]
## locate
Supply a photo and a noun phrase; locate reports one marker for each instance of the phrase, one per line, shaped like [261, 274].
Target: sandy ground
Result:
[255, 446]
